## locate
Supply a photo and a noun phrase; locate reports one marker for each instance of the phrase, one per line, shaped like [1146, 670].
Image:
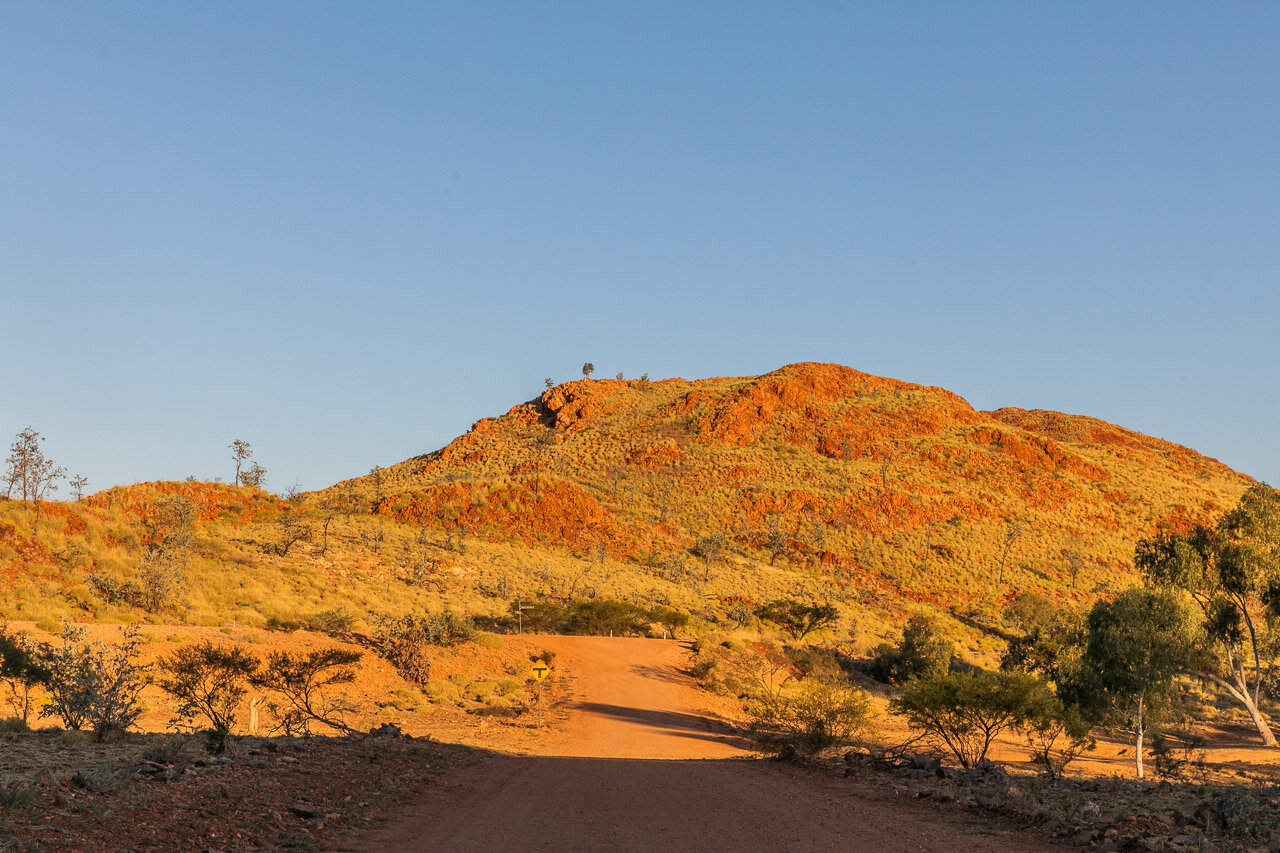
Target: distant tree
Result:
[169, 533]
[375, 479]
[1232, 573]
[255, 477]
[78, 484]
[619, 376]
[209, 681]
[923, 653]
[966, 711]
[710, 548]
[291, 528]
[775, 539]
[1137, 642]
[241, 452]
[797, 618]
[1012, 533]
[1074, 560]
[588, 369]
[550, 383]
[31, 472]
[1053, 637]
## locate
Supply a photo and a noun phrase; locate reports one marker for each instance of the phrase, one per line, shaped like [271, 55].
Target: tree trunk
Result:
[1244, 698]
[1138, 732]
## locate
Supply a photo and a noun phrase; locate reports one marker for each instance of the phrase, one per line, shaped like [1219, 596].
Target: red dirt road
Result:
[639, 765]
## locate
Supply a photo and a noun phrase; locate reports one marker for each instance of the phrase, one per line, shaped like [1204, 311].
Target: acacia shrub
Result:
[209, 681]
[966, 711]
[922, 653]
[808, 719]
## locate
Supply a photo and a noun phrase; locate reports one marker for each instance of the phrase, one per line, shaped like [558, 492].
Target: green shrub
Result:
[922, 653]
[964, 712]
[808, 719]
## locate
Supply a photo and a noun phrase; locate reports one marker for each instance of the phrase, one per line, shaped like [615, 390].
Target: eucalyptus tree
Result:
[1232, 572]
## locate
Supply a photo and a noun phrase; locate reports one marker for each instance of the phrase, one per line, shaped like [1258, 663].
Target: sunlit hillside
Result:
[813, 481]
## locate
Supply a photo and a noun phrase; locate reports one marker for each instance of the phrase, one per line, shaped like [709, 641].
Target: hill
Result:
[814, 480]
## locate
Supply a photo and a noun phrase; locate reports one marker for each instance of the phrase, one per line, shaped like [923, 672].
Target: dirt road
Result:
[638, 765]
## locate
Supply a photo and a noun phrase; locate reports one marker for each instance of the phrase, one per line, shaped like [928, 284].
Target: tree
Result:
[923, 653]
[303, 680]
[31, 472]
[797, 618]
[169, 534]
[78, 484]
[21, 670]
[255, 477]
[241, 452]
[1137, 642]
[1232, 573]
[775, 540]
[1012, 533]
[965, 711]
[1053, 638]
[588, 369]
[209, 681]
[291, 529]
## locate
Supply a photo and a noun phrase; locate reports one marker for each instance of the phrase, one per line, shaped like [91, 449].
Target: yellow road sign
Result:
[540, 671]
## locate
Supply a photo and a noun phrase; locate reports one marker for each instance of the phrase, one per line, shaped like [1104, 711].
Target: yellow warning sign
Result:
[540, 671]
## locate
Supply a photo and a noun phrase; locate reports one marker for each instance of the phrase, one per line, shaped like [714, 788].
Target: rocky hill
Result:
[814, 480]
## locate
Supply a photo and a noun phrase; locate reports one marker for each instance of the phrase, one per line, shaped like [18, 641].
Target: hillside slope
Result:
[813, 480]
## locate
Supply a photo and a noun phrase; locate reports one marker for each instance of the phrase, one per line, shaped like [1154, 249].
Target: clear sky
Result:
[344, 232]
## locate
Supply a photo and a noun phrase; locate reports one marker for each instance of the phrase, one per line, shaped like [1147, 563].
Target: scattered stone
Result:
[386, 730]
[304, 811]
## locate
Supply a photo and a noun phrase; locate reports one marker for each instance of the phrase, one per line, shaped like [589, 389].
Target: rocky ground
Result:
[161, 793]
[1099, 813]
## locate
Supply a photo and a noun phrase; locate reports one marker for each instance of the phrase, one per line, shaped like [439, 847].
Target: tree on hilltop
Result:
[241, 452]
[588, 369]
[31, 472]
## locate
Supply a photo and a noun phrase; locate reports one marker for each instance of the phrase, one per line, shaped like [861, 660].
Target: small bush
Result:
[811, 718]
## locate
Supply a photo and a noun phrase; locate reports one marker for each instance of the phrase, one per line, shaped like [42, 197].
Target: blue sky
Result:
[344, 232]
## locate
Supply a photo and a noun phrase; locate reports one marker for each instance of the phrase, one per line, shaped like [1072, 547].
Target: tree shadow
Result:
[674, 723]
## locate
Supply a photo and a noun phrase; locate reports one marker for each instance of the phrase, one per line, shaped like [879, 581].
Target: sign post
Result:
[540, 671]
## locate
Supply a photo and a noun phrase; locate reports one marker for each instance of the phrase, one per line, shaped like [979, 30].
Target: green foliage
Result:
[303, 680]
[94, 684]
[811, 717]
[600, 617]
[20, 670]
[796, 618]
[1137, 643]
[1232, 573]
[923, 653]
[1053, 640]
[1058, 735]
[966, 711]
[209, 681]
